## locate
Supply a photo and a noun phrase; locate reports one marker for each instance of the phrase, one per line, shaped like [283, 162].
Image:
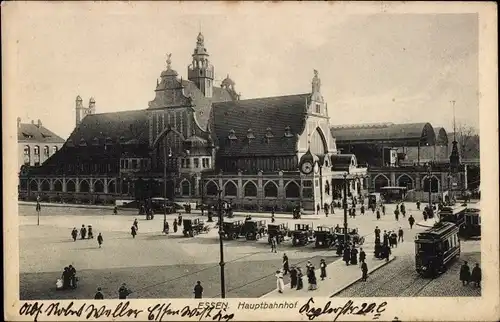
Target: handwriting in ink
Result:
[349, 308]
[159, 311]
[31, 309]
[121, 310]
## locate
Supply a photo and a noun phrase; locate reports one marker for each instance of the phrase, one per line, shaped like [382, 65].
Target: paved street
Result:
[155, 265]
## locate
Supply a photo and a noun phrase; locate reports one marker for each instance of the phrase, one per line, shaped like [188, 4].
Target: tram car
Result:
[472, 222]
[455, 215]
[436, 248]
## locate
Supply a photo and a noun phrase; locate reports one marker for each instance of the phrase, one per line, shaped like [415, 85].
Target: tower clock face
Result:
[307, 167]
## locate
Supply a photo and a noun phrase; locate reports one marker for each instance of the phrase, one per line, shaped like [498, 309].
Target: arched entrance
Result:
[380, 181]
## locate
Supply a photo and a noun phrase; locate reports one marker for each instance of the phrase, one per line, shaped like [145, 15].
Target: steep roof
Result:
[266, 118]
[365, 133]
[116, 126]
[203, 104]
[27, 132]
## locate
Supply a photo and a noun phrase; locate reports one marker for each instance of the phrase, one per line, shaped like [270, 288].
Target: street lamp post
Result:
[164, 183]
[38, 209]
[345, 209]
[222, 279]
[429, 179]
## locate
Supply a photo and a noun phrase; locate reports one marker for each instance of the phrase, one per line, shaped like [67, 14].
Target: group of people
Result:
[177, 222]
[123, 293]
[467, 277]
[86, 234]
[383, 250]
[68, 279]
[296, 275]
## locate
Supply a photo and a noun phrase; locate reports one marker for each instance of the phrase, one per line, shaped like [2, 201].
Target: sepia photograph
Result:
[204, 152]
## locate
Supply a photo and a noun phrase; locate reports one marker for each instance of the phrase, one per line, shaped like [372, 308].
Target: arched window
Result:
[250, 189]
[186, 188]
[111, 187]
[405, 181]
[27, 157]
[54, 149]
[318, 144]
[45, 185]
[98, 186]
[292, 190]
[434, 184]
[212, 189]
[70, 186]
[270, 190]
[230, 189]
[34, 185]
[58, 185]
[46, 150]
[36, 150]
[84, 186]
[380, 182]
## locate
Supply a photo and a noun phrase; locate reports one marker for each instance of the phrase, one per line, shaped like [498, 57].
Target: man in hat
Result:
[293, 277]
[99, 240]
[364, 271]
[322, 266]
[362, 255]
[411, 221]
[98, 295]
[198, 290]
[124, 292]
[285, 264]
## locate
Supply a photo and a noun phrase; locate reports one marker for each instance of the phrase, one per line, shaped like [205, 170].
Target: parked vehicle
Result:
[232, 229]
[193, 227]
[436, 248]
[254, 229]
[324, 236]
[353, 236]
[280, 231]
[302, 235]
[472, 222]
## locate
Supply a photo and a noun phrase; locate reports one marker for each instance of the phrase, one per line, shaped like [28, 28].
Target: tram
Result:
[435, 248]
[393, 194]
[472, 221]
[455, 215]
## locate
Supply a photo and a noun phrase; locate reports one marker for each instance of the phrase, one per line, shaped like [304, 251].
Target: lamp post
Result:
[345, 209]
[165, 181]
[222, 279]
[38, 209]
[429, 179]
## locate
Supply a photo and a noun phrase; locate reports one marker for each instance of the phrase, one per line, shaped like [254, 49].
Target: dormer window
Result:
[250, 135]
[27, 135]
[82, 142]
[95, 141]
[232, 136]
[269, 135]
[288, 132]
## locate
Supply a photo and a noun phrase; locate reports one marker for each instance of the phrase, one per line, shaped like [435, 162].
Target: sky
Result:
[374, 67]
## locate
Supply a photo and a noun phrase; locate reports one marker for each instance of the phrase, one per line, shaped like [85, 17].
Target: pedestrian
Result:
[300, 282]
[362, 209]
[403, 209]
[166, 227]
[396, 213]
[115, 210]
[74, 233]
[378, 214]
[66, 277]
[285, 265]
[476, 276]
[136, 224]
[347, 255]
[72, 274]
[400, 235]
[83, 232]
[198, 290]
[179, 219]
[293, 277]
[377, 232]
[98, 295]
[311, 279]
[364, 271]
[385, 238]
[354, 256]
[124, 292]
[425, 214]
[418, 204]
[386, 250]
[378, 249]
[272, 217]
[353, 212]
[317, 209]
[133, 231]
[322, 266]
[279, 281]
[175, 226]
[465, 273]
[383, 209]
[308, 265]
[274, 245]
[362, 255]
[394, 239]
[411, 221]
[90, 232]
[100, 240]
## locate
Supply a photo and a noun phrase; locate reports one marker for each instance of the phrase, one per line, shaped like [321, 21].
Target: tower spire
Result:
[454, 124]
[455, 155]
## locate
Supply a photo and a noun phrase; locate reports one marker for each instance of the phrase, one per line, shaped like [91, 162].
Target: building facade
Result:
[195, 139]
[36, 144]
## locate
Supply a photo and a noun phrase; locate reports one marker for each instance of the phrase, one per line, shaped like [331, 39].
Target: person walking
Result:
[100, 240]
[311, 279]
[385, 241]
[396, 214]
[285, 265]
[377, 232]
[400, 235]
[354, 256]
[465, 273]
[198, 290]
[175, 226]
[98, 295]
[347, 255]
[364, 271]
[383, 209]
[293, 277]
[136, 224]
[403, 210]
[115, 210]
[362, 255]
[72, 275]
[378, 214]
[133, 231]
[386, 251]
[418, 204]
[273, 245]
[362, 209]
[300, 282]
[411, 221]
[272, 217]
[476, 276]
[279, 281]
[83, 232]
[124, 292]
[322, 266]
[74, 234]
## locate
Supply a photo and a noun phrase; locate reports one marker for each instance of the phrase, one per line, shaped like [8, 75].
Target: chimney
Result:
[18, 122]
[39, 123]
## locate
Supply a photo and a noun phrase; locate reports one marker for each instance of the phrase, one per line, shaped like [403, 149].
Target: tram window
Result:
[425, 247]
[446, 245]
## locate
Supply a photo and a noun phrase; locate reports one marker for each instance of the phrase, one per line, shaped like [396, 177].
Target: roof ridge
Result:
[263, 98]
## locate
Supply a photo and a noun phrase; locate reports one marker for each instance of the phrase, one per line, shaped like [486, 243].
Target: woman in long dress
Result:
[279, 281]
[300, 282]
